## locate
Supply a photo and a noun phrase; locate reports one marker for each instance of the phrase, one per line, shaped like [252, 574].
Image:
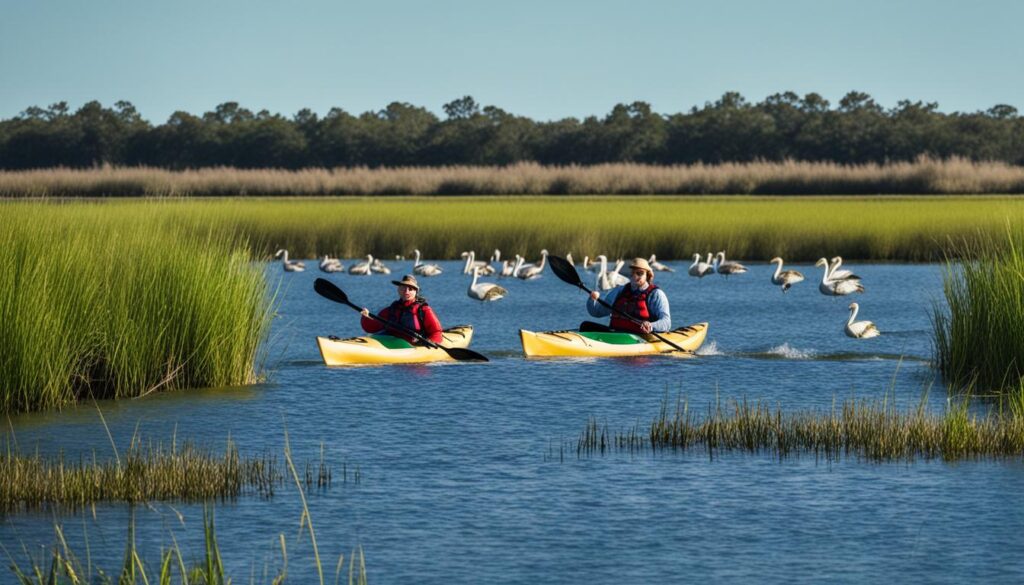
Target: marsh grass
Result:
[750, 228]
[979, 333]
[923, 176]
[872, 430]
[97, 303]
[144, 472]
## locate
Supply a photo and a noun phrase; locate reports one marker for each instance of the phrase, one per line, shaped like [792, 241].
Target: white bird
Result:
[424, 269]
[588, 265]
[497, 256]
[484, 291]
[379, 267]
[472, 262]
[362, 268]
[507, 268]
[289, 265]
[653, 261]
[609, 279]
[787, 278]
[328, 264]
[835, 274]
[532, 271]
[727, 267]
[700, 269]
[568, 258]
[836, 287]
[860, 329]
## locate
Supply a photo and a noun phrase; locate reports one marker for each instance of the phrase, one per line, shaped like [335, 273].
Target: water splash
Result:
[788, 352]
[709, 349]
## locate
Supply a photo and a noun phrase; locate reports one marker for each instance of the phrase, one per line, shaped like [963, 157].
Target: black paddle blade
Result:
[329, 290]
[465, 355]
[565, 271]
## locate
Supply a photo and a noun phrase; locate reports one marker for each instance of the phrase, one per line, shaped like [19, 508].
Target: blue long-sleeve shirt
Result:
[657, 306]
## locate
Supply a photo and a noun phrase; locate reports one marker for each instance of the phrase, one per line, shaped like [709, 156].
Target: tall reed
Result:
[979, 335]
[99, 303]
[923, 176]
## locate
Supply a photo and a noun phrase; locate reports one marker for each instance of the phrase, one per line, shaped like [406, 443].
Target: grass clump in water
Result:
[105, 304]
[875, 430]
[979, 334]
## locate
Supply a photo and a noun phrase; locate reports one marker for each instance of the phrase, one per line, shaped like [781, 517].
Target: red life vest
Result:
[633, 304]
[411, 316]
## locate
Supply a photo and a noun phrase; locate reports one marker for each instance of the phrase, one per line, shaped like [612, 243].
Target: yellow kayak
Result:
[387, 349]
[609, 344]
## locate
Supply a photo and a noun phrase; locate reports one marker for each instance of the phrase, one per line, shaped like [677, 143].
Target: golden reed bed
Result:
[924, 176]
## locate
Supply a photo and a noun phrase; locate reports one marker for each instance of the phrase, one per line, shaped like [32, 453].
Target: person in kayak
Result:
[641, 299]
[410, 310]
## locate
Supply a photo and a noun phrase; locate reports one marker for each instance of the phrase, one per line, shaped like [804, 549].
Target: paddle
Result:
[330, 291]
[567, 273]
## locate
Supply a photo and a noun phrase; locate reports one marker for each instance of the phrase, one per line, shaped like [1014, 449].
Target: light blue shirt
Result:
[657, 306]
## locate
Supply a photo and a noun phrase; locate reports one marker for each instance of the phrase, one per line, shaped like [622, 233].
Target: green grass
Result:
[872, 430]
[979, 335]
[102, 302]
[750, 228]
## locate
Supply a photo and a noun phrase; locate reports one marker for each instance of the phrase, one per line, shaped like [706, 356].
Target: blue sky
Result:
[546, 60]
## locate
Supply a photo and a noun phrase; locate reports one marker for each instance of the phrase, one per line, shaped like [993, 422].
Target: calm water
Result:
[462, 478]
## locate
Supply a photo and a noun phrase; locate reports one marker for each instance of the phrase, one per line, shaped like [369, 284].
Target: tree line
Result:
[784, 126]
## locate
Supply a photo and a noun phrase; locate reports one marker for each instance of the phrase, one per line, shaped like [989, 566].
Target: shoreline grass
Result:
[95, 304]
[144, 473]
[751, 228]
[872, 430]
[923, 176]
[979, 333]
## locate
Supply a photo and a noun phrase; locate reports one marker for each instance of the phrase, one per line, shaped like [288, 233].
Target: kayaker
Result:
[410, 310]
[641, 299]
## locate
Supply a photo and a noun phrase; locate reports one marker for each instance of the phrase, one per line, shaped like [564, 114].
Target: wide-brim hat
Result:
[642, 264]
[407, 280]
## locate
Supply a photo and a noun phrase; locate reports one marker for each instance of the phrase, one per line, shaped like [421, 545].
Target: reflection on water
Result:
[459, 484]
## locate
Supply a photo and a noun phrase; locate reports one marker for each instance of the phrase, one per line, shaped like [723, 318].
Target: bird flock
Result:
[835, 281]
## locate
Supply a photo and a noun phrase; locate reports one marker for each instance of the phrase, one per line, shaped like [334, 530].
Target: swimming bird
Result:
[379, 267]
[289, 265]
[484, 291]
[860, 329]
[653, 261]
[588, 265]
[472, 262]
[787, 278]
[728, 267]
[362, 268]
[508, 268]
[835, 288]
[835, 274]
[531, 271]
[609, 279]
[700, 269]
[328, 264]
[568, 258]
[424, 269]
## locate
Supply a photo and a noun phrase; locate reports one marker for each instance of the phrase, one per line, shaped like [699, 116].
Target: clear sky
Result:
[543, 59]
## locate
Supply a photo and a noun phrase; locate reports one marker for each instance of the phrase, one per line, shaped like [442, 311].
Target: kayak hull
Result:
[386, 349]
[586, 344]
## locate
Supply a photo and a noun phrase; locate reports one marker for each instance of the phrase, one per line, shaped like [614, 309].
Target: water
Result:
[462, 475]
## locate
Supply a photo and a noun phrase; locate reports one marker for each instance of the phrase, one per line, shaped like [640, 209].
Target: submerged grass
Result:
[60, 564]
[106, 304]
[752, 228]
[979, 334]
[873, 430]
